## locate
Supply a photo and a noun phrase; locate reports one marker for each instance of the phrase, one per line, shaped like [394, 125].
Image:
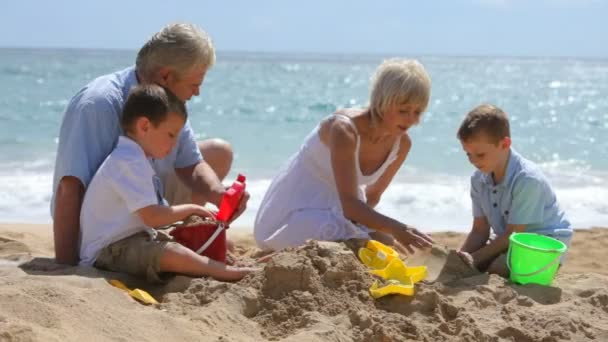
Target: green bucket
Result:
[533, 258]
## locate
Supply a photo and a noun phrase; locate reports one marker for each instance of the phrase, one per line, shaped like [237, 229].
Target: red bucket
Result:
[206, 238]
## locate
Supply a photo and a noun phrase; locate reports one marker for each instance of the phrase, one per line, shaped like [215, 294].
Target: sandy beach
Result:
[318, 292]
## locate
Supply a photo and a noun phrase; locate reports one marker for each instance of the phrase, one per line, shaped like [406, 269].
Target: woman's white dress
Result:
[302, 201]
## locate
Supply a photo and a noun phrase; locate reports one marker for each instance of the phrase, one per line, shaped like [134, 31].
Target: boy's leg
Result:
[499, 266]
[137, 255]
[567, 240]
[144, 256]
[176, 258]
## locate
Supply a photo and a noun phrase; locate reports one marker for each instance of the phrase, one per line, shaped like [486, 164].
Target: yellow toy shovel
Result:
[401, 279]
[141, 295]
[394, 287]
[396, 270]
[386, 264]
[377, 255]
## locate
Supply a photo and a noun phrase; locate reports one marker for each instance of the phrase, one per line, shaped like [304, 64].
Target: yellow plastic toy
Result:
[396, 270]
[377, 255]
[386, 264]
[394, 287]
[141, 295]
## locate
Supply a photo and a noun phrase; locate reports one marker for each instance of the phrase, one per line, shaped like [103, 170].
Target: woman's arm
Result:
[375, 191]
[342, 145]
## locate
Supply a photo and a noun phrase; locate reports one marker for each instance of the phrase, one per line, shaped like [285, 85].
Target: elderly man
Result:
[177, 57]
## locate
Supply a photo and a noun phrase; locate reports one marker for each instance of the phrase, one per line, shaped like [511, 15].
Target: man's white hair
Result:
[181, 46]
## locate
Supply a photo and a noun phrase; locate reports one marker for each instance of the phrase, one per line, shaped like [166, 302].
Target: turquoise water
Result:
[265, 104]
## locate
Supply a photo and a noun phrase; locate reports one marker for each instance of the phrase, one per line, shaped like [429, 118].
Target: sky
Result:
[559, 28]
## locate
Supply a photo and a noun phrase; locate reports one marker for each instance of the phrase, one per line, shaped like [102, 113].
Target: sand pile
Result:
[318, 292]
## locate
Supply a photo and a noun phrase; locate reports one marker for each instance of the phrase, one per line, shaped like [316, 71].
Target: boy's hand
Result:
[411, 237]
[237, 273]
[467, 258]
[201, 211]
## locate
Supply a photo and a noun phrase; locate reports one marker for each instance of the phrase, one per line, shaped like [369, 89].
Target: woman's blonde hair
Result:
[180, 46]
[398, 81]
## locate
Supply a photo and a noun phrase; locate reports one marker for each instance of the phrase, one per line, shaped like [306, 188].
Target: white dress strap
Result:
[348, 119]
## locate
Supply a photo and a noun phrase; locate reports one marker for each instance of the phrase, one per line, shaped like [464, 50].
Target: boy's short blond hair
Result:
[398, 81]
[487, 119]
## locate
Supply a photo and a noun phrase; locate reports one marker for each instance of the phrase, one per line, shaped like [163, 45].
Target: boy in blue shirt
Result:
[509, 193]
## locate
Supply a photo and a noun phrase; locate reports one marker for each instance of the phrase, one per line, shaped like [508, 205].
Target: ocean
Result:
[265, 104]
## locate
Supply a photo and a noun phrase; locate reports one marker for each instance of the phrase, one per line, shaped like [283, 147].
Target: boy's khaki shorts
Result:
[138, 254]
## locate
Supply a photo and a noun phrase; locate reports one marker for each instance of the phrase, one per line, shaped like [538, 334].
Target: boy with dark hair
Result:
[177, 57]
[124, 205]
[509, 193]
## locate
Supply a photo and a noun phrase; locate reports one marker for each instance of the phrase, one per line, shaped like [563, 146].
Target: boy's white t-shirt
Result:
[124, 183]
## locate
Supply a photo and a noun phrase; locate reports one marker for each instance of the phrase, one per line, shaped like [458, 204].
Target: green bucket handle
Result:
[542, 269]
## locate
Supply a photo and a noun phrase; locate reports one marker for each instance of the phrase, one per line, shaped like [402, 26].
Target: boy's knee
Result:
[499, 266]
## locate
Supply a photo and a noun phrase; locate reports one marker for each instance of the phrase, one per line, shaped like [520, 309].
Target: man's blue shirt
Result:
[91, 126]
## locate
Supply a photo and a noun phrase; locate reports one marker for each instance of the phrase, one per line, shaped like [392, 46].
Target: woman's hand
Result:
[411, 237]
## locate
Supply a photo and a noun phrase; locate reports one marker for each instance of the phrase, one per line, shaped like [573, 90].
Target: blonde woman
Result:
[329, 188]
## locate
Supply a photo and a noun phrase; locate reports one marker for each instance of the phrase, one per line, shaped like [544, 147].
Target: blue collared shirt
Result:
[91, 126]
[523, 197]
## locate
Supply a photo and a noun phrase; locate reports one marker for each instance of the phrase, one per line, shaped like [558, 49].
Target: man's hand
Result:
[411, 237]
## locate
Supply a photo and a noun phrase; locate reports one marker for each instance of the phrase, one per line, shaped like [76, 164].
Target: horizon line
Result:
[309, 54]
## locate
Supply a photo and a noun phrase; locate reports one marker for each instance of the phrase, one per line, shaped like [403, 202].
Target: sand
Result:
[318, 292]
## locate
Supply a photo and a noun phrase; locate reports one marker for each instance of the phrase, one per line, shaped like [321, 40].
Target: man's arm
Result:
[205, 185]
[88, 132]
[195, 172]
[66, 222]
